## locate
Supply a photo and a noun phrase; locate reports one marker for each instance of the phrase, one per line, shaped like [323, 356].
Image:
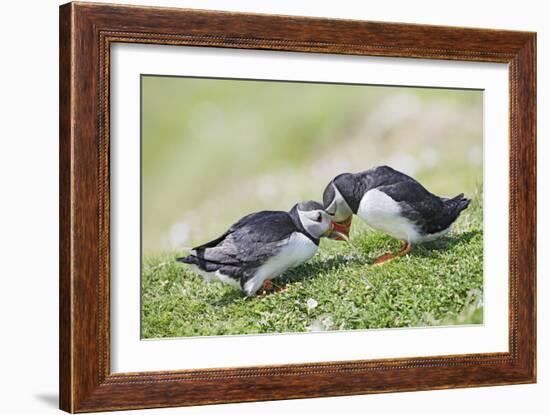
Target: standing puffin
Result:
[391, 202]
[261, 246]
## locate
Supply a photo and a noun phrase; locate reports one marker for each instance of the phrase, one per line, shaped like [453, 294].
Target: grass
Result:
[439, 283]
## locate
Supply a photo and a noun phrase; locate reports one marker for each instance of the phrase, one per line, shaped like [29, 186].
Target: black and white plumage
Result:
[261, 246]
[392, 202]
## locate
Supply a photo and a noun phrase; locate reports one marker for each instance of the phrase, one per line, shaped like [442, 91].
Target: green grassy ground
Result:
[439, 283]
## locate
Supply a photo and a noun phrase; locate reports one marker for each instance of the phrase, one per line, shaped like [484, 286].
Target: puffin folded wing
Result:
[244, 242]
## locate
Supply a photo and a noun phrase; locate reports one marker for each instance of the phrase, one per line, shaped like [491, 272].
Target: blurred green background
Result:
[214, 150]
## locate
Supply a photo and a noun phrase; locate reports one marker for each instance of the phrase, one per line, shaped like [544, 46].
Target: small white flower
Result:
[327, 322]
[311, 304]
[367, 282]
[322, 323]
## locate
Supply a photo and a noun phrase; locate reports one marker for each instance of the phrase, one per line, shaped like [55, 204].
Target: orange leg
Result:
[405, 249]
[269, 287]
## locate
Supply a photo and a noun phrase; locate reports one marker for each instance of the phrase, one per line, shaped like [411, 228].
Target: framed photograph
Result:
[259, 207]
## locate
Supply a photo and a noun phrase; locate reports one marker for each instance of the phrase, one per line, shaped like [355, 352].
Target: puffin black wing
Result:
[245, 246]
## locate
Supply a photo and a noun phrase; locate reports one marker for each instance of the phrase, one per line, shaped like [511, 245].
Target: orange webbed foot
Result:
[405, 249]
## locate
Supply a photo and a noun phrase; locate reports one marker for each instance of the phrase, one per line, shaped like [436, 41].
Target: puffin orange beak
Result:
[340, 230]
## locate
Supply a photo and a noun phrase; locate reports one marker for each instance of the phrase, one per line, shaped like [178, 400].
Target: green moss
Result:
[439, 283]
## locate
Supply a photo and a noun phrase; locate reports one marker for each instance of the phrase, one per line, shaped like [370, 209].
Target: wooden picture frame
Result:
[86, 33]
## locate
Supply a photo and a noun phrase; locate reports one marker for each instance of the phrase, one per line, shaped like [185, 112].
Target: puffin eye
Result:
[319, 217]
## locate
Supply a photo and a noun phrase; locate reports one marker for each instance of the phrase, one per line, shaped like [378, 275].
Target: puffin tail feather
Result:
[457, 204]
[190, 259]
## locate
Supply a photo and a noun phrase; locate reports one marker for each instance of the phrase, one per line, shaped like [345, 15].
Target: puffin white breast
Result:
[293, 251]
[383, 213]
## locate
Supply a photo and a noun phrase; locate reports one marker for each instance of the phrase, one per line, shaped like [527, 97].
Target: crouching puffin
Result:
[261, 246]
[391, 202]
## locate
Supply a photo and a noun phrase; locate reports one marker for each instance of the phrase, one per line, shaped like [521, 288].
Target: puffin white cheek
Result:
[311, 216]
[331, 209]
[313, 228]
[341, 213]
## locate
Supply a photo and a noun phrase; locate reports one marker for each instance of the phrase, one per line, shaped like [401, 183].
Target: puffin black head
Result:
[311, 217]
[336, 204]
